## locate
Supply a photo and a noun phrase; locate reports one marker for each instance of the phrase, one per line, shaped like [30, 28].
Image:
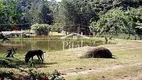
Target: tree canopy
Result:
[111, 17]
[8, 14]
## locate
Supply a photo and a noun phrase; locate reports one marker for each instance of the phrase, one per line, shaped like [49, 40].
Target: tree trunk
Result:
[106, 40]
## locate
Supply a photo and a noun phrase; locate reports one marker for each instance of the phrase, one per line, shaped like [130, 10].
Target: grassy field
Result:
[126, 65]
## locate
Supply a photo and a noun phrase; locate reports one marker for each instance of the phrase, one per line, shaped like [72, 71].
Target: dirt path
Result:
[103, 69]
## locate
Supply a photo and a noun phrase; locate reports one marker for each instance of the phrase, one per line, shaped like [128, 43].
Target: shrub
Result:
[3, 63]
[32, 75]
[41, 29]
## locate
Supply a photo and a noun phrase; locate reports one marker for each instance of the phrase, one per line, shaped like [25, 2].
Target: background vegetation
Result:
[99, 17]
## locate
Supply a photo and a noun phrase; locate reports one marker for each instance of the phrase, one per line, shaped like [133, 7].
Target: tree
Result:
[117, 21]
[78, 15]
[46, 15]
[9, 14]
[137, 19]
[2, 6]
[110, 23]
[39, 12]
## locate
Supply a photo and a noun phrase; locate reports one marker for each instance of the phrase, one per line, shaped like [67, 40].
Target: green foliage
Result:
[5, 74]
[57, 11]
[78, 14]
[57, 27]
[110, 17]
[109, 22]
[2, 6]
[32, 75]
[41, 29]
[117, 21]
[46, 15]
[38, 12]
[8, 14]
[3, 63]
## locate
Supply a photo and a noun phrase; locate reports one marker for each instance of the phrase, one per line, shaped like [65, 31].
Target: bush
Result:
[99, 52]
[41, 29]
[3, 63]
[32, 75]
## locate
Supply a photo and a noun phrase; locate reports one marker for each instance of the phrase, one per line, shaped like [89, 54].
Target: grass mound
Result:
[99, 52]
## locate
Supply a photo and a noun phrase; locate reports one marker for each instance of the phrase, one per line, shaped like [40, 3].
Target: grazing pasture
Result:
[126, 64]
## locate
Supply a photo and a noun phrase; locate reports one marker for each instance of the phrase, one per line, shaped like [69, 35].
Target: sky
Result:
[58, 0]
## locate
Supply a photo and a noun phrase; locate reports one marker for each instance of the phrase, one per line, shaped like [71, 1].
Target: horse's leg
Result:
[38, 57]
[41, 58]
[32, 59]
[12, 55]
[8, 55]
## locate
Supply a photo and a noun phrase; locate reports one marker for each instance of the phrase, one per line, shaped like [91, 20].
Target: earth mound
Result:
[99, 52]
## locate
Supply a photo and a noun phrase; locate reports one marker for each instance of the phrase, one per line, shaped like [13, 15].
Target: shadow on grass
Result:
[38, 64]
[14, 63]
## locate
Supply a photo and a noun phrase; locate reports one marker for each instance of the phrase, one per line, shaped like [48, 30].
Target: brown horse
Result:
[32, 53]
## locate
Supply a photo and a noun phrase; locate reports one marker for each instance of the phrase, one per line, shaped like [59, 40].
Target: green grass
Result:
[67, 61]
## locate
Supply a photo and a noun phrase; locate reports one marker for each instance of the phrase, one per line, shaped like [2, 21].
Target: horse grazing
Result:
[32, 53]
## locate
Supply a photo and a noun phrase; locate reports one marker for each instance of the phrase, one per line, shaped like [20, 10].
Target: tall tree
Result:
[78, 15]
[46, 15]
[38, 12]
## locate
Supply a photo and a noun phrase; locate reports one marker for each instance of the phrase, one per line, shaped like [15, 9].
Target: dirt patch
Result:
[101, 70]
